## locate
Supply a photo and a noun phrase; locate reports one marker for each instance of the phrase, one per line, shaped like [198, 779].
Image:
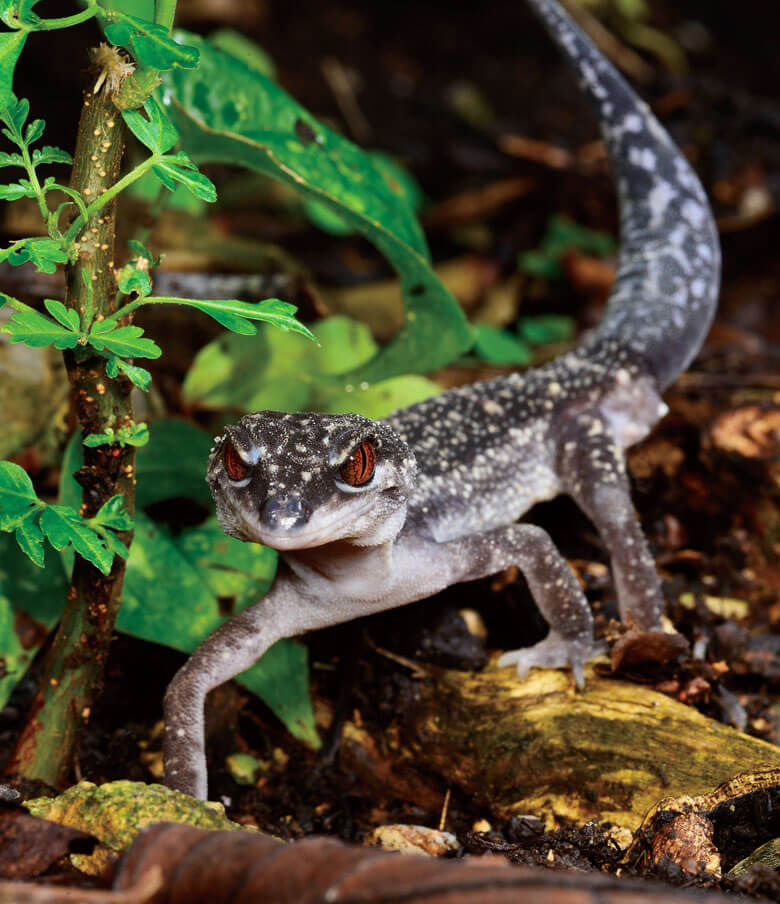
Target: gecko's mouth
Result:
[317, 532]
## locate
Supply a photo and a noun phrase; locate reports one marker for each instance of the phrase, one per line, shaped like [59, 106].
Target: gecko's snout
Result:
[285, 513]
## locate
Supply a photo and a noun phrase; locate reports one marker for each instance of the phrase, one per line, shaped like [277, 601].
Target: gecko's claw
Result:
[554, 652]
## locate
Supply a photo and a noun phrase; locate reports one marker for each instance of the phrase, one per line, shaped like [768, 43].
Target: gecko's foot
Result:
[554, 652]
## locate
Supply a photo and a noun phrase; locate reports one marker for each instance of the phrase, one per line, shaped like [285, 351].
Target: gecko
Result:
[368, 514]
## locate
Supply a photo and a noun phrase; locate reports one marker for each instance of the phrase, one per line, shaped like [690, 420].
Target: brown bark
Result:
[74, 667]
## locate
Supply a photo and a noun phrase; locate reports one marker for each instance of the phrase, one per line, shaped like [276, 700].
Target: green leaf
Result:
[173, 464]
[48, 154]
[17, 495]
[282, 372]
[137, 375]
[112, 514]
[134, 279]
[45, 254]
[150, 44]
[546, 329]
[132, 435]
[141, 251]
[67, 317]
[500, 346]
[155, 130]
[38, 330]
[15, 190]
[173, 170]
[228, 113]
[124, 341]
[11, 160]
[11, 44]
[37, 592]
[247, 52]
[63, 526]
[236, 315]
[562, 236]
[14, 113]
[34, 131]
[30, 539]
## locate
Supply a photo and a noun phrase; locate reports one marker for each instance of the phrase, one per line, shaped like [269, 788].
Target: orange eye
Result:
[234, 466]
[358, 469]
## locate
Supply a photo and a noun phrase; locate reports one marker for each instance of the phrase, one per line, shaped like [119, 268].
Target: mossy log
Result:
[539, 746]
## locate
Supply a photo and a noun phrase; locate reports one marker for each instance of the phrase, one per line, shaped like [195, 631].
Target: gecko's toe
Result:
[554, 652]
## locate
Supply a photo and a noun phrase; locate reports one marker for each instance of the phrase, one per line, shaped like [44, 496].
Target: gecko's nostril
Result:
[285, 512]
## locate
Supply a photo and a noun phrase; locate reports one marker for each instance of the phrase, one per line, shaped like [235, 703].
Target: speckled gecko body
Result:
[369, 515]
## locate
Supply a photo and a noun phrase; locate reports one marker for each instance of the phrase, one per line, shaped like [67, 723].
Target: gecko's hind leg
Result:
[592, 471]
[554, 588]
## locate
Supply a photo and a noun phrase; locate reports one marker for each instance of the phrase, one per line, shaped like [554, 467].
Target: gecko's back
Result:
[488, 451]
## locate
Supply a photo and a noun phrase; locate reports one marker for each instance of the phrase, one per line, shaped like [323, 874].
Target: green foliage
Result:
[229, 113]
[500, 346]
[31, 519]
[546, 329]
[247, 52]
[237, 315]
[11, 44]
[149, 43]
[131, 435]
[282, 372]
[159, 134]
[44, 254]
[561, 237]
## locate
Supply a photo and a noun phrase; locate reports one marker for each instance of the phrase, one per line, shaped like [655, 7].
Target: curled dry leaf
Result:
[236, 868]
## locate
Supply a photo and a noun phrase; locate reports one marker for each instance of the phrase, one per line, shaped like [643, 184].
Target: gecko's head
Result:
[294, 481]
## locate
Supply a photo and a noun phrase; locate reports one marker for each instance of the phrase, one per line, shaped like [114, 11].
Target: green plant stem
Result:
[109, 194]
[164, 12]
[69, 21]
[73, 671]
[42, 206]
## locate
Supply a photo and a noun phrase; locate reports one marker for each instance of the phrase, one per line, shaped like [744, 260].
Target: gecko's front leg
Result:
[552, 584]
[230, 650]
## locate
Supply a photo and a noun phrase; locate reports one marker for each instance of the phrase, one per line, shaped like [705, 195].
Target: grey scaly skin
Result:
[454, 473]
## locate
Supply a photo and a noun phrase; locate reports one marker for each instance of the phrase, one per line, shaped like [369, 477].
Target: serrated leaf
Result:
[67, 317]
[149, 43]
[30, 539]
[200, 186]
[236, 315]
[155, 130]
[14, 114]
[34, 131]
[15, 190]
[48, 154]
[45, 254]
[38, 331]
[17, 495]
[263, 129]
[112, 514]
[137, 375]
[63, 526]
[11, 160]
[124, 341]
[11, 44]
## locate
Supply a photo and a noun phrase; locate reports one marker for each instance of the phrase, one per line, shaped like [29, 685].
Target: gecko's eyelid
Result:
[236, 468]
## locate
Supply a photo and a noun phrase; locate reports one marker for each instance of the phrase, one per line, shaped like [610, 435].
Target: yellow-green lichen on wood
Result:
[540, 746]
